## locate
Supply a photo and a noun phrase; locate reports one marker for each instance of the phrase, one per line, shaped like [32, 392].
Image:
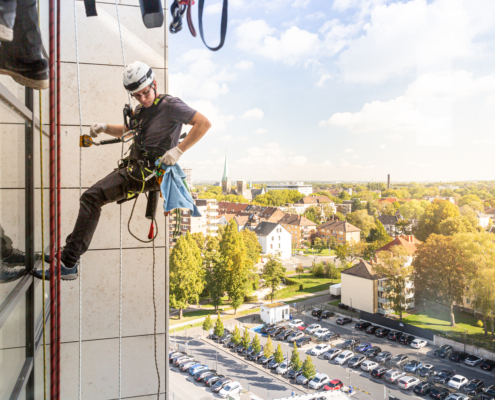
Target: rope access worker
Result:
[160, 119]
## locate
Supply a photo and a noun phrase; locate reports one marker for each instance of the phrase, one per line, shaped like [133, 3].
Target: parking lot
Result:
[266, 384]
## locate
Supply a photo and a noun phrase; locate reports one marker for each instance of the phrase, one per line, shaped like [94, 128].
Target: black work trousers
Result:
[112, 188]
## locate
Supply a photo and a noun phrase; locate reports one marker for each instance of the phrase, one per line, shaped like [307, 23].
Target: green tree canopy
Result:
[279, 354]
[413, 209]
[295, 360]
[256, 344]
[362, 220]
[246, 339]
[273, 273]
[453, 225]
[268, 350]
[207, 323]
[472, 201]
[253, 246]
[379, 234]
[236, 336]
[435, 213]
[218, 326]
[278, 198]
[313, 213]
[309, 370]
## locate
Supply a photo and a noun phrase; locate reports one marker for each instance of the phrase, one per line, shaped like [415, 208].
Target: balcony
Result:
[384, 311]
[383, 300]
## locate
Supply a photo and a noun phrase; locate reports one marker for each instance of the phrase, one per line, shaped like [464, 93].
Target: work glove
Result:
[171, 156]
[97, 128]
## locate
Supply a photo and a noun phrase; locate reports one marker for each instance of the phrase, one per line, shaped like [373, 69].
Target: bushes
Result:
[479, 324]
[250, 299]
[301, 287]
[290, 282]
[318, 271]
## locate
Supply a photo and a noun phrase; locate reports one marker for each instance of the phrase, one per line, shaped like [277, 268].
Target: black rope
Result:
[223, 24]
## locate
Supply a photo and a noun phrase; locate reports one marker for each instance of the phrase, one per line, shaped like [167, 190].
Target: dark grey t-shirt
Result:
[162, 123]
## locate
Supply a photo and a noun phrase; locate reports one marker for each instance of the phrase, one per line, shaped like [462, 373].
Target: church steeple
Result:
[226, 185]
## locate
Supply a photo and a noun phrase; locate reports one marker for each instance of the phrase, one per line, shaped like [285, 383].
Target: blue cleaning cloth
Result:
[175, 193]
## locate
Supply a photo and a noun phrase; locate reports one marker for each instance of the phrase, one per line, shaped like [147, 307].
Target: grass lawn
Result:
[311, 285]
[335, 303]
[439, 321]
[324, 252]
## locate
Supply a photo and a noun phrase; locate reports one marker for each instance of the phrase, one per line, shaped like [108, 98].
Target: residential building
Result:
[300, 228]
[451, 187]
[315, 200]
[189, 177]
[343, 231]
[484, 220]
[299, 186]
[271, 214]
[360, 287]
[299, 209]
[240, 220]
[349, 191]
[209, 208]
[344, 208]
[431, 198]
[225, 218]
[274, 238]
[390, 222]
[225, 207]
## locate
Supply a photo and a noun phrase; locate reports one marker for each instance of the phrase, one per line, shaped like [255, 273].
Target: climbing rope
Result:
[80, 190]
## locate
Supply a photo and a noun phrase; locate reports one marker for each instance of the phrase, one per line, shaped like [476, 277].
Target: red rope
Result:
[58, 202]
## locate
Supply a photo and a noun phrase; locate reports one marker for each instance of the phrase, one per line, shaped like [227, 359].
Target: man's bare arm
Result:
[200, 126]
[115, 130]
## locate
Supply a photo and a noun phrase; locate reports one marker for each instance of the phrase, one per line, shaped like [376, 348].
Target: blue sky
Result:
[342, 90]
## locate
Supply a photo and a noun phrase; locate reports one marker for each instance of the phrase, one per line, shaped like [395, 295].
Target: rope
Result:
[80, 190]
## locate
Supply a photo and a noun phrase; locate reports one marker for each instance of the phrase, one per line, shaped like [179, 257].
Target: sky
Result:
[342, 90]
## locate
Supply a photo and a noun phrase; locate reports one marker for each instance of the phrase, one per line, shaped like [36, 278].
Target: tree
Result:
[351, 251]
[379, 234]
[413, 209]
[440, 272]
[327, 210]
[279, 355]
[331, 271]
[273, 273]
[472, 201]
[256, 344]
[339, 216]
[218, 326]
[295, 360]
[344, 195]
[362, 220]
[371, 208]
[403, 227]
[435, 213]
[236, 264]
[300, 270]
[470, 214]
[246, 339]
[309, 370]
[236, 336]
[268, 350]
[357, 205]
[395, 266]
[186, 273]
[332, 242]
[253, 246]
[453, 225]
[207, 323]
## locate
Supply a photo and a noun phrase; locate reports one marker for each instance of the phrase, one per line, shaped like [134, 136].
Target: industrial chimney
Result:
[388, 181]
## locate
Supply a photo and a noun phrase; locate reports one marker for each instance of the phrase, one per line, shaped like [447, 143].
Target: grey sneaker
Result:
[10, 274]
[67, 274]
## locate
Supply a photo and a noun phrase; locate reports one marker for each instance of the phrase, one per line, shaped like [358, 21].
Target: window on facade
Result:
[279, 245]
[279, 238]
[271, 246]
[273, 237]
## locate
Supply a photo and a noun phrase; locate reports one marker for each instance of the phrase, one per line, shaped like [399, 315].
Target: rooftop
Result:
[362, 270]
[274, 305]
[341, 226]
[265, 228]
[409, 242]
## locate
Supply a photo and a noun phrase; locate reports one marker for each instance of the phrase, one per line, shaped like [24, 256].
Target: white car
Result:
[318, 381]
[283, 368]
[408, 382]
[312, 328]
[343, 357]
[458, 382]
[296, 323]
[457, 396]
[231, 388]
[369, 365]
[320, 349]
[320, 332]
[418, 343]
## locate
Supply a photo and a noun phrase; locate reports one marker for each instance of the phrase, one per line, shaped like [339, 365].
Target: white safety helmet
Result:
[137, 76]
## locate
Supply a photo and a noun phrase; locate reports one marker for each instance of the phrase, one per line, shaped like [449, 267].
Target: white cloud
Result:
[219, 121]
[383, 146]
[394, 137]
[213, 9]
[244, 65]
[226, 138]
[348, 150]
[323, 78]
[316, 15]
[289, 46]
[254, 113]
[260, 131]
[214, 151]
[242, 138]
[322, 124]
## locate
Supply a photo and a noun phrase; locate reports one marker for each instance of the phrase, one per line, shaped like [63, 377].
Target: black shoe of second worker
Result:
[32, 74]
[10, 274]
[7, 19]
[66, 274]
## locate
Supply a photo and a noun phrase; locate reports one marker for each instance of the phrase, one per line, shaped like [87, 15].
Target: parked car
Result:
[295, 323]
[378, 372]
[312, 328]
[201, 375]
[343, 357]
[458, 356]
[256, 356]
[356, 361]
[319, 333]
[266, 360]
[330, 336]
[362, 325]
[332, 353]
[489, 393]
[230, 389]
[393, 375]
[443, 351]
[371, 329]
[176, 355]
[248, 351]
[302, 327]
[426, 371]
[413, 366]
[487, 365]
[406, 339]
[316, 312]
[196, 368]
[240, 348]
[394, 335]
[180, 360]
[319, 381]
[473, 361]
[369, 365]
[327, 314]
[320, 349]
[274, 364]
[343, 306]
[225, 338]
[232, 345]
[418, 343]
[303, 341]
[215, 337]
[408, 382]
[372, 352]
[423, 388]
[302, 380]
[284, 334]
[457, 396]
[350, 343]
[334, 384]
[183, 367]
[383, 356]
[443, 376]
[294, 374]
[399, 359]
[283, 368]
[212, 379]
[294, 336]
[265, 328]
[474, 387]
[344, 320]
[458, 382]
[363, 347]
[275, 331]
[220, 384]
[382, 332]
[439, 393]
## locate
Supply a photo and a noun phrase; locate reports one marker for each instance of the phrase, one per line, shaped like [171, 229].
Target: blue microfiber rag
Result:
[174, 191]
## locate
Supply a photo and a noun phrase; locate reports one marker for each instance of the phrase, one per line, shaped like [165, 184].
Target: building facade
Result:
[189, 177]
[343, 231]
[274, 239]
[299, 186]
[300, 228]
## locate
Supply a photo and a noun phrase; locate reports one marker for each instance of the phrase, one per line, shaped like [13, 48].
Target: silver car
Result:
[332, 353]
[342, 358]
[408, 382]
[302, 380]
[393, 375]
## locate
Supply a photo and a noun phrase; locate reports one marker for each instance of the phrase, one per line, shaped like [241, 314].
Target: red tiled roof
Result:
[341, 226]
[224, 207]
[409, 242]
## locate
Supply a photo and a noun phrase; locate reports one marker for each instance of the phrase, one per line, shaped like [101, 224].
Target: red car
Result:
[334, 385]
[302, 327]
